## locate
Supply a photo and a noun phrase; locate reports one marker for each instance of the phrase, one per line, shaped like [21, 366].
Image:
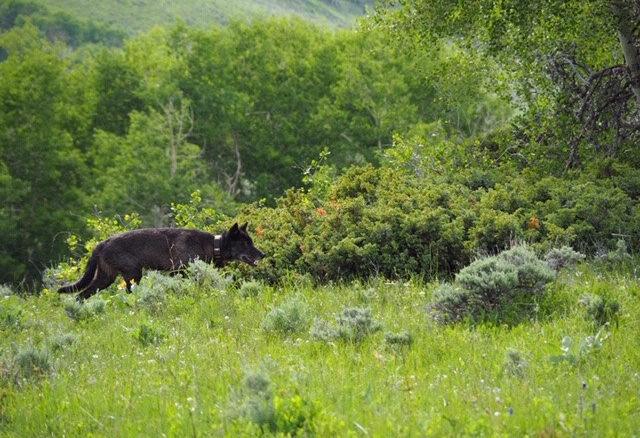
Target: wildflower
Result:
[321, 211]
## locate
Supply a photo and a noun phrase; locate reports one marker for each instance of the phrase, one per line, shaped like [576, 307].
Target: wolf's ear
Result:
[234, 228]
[244, 227]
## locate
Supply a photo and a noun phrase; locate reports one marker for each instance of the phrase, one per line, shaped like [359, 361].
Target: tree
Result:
[575, 61]
[151, 167]
[41, 169]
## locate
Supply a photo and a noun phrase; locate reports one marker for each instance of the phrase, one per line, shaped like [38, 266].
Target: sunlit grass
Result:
[201, 363]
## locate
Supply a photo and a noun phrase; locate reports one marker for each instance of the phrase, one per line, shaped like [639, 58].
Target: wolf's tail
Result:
[89, 273]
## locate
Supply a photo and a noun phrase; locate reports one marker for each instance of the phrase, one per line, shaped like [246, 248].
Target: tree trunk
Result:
[625, 22]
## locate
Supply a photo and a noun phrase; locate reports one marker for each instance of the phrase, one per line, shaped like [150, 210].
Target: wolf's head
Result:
[240, 245]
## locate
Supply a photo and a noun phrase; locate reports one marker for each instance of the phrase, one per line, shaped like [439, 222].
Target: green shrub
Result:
[295, 416]
[250, 289]
[322, 330]
[11, 313]
[493, 279]
[32, 361]
[559, 258]
[62, 340]
[207, 276]
[499, 286]
[354, 324]
[149, 334]
[402, 339]
[393, 223]
[620, 253]
[82, 311]
[450, 304]
[254, 401]
[291, 317]
[153, 288]
[601, 309]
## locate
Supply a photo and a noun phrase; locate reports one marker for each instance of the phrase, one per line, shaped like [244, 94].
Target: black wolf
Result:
[163, 249]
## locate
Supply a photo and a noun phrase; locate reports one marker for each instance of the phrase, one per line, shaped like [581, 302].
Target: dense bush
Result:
[500, 287]
[395, 223]
[382, 221]
[82, 311]
[32, 361]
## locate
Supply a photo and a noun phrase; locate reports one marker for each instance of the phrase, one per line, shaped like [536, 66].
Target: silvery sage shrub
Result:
[499, 287]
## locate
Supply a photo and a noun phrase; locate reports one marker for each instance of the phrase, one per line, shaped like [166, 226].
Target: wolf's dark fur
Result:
[163, 249]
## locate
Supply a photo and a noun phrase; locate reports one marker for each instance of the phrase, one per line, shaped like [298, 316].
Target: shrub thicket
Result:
[390, 222]
[381, 221]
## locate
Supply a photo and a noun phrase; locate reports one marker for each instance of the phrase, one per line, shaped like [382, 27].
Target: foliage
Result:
[149, 334]
[32, 361]
[584, 107]
[61, 341]
[58, 26]
[450, 304]
[41, 169]
[233, 112]
[401, 339]
[353, 324]
[287, 319]
[588, 347]
[387, 221]
[206, 276]
[254, 401]
[153, 289]
[134, 17]
[496, 287]
[559, 258]
[601, 309]
[251, 288]
[82, 311]
[11, 313]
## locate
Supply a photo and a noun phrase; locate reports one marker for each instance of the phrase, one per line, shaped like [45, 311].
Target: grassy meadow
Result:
[206, 356]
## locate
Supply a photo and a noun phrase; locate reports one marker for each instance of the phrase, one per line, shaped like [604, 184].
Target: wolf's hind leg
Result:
[102, 280]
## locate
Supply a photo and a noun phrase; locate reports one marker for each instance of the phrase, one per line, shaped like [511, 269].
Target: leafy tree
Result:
[254, 87]
[151, 166]
[41, 170]
[576, 63]
[114, 82]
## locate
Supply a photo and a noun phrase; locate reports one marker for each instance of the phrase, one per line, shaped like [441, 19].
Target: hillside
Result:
[133, 16]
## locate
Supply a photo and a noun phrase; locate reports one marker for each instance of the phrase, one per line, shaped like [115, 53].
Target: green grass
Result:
[133, 16]
[201, 362]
